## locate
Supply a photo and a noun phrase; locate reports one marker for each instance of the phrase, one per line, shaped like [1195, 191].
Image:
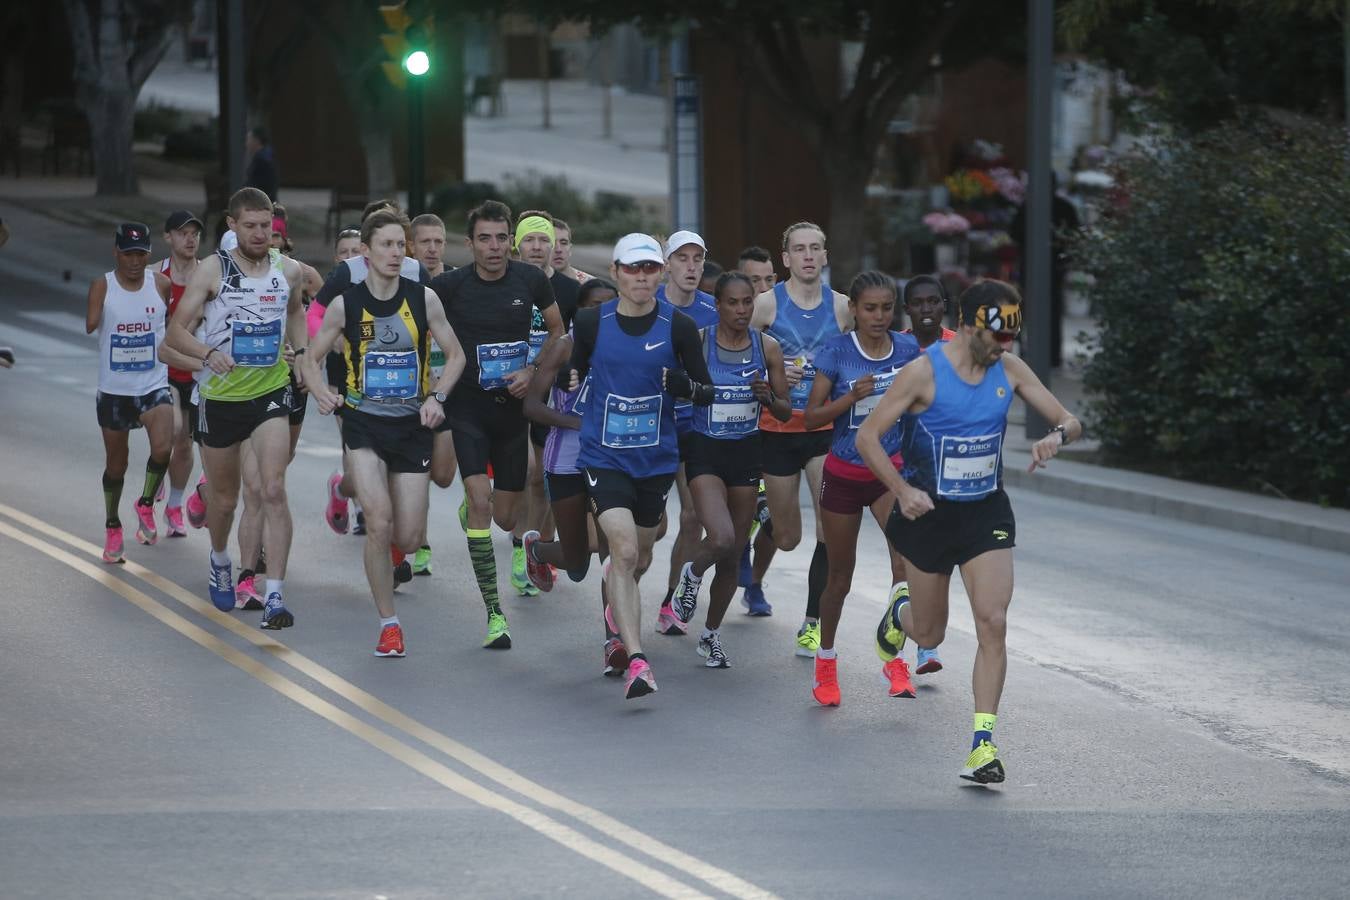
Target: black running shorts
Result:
[489, 428]
[738, 462]
[224, 423]
[787, 452]
[564, 487]
[121, 412]
[403, 443]
[953, 533]
[644, 497]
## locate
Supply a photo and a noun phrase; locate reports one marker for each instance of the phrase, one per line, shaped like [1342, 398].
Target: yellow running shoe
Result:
[983, 765]
[808, 639]
[498, 633]
[890, 637]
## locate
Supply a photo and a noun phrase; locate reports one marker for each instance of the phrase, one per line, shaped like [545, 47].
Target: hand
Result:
[288, 354]
[326, 398]
[763, 393]
[220, 362]
[862, 388]
[677, 383]
[1045, 450]
[432, 412]
[794, 374]
[913, 502]
[574, 382]
[518, 382]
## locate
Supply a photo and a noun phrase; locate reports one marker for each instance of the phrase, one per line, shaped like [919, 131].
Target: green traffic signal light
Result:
[417, 63]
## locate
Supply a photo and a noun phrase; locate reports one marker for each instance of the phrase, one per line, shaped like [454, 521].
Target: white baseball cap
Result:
[636, 248]
[680, 239]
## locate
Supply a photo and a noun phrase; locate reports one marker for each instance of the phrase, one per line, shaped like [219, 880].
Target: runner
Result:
[852, 371]
[630, 348]
[578, 535]
[802, 313]
[129, 311]
[562, 252]
[386, 320]
[489, 304]
[724, 462]
[428, 236]
[756, 262]
[183, 233]
[712, 270]
[247, 298]
[951, 509]
[534, 244]
[685, 252]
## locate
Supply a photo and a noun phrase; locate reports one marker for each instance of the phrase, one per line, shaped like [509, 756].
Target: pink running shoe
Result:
[335, 514]
[145, 531]
[667, 622]
[246, 595]
[173, 522]
[639, 682]
[540, 574]
[112, 546]
[616, 657]
[196, 505]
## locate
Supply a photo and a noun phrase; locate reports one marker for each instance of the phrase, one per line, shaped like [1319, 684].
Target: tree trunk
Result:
[847, 171]
[111, 118]
[377, 140]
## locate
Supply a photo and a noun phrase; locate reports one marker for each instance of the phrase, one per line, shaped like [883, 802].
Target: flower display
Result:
[946, 224]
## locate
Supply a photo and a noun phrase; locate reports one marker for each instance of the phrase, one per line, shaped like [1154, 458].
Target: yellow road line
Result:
[716, 877]
[569, 838]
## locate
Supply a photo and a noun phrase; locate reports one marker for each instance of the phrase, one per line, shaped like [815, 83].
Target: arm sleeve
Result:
[585, 331]
[689, 348]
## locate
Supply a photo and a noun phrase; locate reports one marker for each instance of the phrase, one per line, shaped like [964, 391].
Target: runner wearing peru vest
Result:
[129, 337]
[954, 449]
[247, 319]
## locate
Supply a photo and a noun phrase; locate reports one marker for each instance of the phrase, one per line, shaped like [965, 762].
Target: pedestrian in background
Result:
[262, 164]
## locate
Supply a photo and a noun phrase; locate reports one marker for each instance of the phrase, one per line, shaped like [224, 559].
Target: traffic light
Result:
[407, 44]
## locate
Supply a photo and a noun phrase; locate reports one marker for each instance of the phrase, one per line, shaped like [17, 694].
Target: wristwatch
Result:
[1063, 434]
[439, 397]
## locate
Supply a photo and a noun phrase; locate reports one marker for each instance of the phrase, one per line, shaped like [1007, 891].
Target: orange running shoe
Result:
[391, 642]
[826, 688]
[896, 674]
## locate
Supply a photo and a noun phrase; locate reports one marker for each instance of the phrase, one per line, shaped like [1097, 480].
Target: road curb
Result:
[1288, 520]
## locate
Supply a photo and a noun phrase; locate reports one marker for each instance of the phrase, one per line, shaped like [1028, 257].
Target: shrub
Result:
[607, 218]
[1220, 292]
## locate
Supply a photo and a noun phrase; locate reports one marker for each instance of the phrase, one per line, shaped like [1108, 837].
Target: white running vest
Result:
[130, 334]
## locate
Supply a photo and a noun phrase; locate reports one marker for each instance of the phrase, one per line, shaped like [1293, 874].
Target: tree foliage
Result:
[1220, 292]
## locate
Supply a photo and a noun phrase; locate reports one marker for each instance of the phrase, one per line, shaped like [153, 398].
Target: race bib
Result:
[255, 345]
[436, 360]
[968, 466]
[734, 411]
[390, 376]
[863, 408]
[537, 341]
[632, 421]
[496, 361]
[802, 391]
[131, 353]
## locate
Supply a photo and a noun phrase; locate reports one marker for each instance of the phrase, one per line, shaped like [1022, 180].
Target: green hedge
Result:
[1223, 295]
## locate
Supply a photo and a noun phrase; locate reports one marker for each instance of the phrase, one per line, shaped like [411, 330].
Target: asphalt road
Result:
[1173, 723]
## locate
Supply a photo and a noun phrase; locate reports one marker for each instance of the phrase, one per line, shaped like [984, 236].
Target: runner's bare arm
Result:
[842, 314]
[188, 314]
[330, 332]
[448, 341]
[98, 291]
[780, 407]
[765, 309]
[910, 392]
[551, 359]
[1036, 395]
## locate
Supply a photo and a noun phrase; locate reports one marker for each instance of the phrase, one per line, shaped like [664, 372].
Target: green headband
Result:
[531, 224]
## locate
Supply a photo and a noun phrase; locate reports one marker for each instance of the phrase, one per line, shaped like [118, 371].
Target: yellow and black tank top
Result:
[387, 350]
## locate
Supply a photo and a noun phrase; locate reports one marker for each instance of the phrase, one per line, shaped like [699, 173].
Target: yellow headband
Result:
[531, 224]
[1004, 317]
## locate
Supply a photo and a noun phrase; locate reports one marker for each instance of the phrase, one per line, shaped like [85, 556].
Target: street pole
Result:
[544, 41]
[417, 193]
[1036, 249]
[230, 88]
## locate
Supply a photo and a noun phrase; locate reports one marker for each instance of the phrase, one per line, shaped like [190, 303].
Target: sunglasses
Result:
[647, 267]
[348, 232]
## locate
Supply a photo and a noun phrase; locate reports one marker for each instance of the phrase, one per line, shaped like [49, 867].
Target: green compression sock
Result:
[484, 566]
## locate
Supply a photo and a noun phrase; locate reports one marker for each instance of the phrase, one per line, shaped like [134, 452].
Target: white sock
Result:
[273, 586]
[708, 632]
[175, 497]
[392, 620]
[220, 559]
[356, 506]
[826, 653]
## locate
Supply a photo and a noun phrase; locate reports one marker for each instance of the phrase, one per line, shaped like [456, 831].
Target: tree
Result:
[117, 45]
[902, 45]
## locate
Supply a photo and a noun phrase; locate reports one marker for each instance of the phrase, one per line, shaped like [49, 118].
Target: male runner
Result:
[685, 253]
[128, 310]
[951, 509]
[387, 321]
[183, 233]
[562, 252]
[428, 243]
[249, 300]
[802, 313]
[489, 305]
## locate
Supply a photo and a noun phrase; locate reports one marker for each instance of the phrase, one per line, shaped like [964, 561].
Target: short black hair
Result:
[870, 279]
[919, 281]
[489, 211]
[986, 292]
[755, 253]
[711, 268]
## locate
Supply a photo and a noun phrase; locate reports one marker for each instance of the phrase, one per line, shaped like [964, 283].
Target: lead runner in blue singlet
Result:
[951, 509]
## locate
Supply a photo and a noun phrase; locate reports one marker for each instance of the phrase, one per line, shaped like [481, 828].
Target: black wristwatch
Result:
[1063, 434]
[439, 397]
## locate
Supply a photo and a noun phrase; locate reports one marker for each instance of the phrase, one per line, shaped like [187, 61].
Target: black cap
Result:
[133, 236]
[177, 220]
